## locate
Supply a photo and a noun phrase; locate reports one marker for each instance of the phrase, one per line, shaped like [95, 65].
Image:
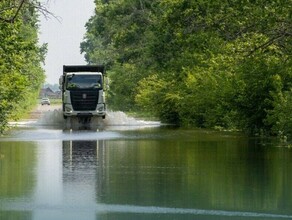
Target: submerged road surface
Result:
[131, 169]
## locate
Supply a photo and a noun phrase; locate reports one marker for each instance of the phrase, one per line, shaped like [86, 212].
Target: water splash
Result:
[51, 118]
[119, 118]
[122, 119]
[112, 119]
[54, 118]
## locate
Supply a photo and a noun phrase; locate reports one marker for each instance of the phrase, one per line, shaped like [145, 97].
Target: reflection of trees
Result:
[226, 174]
[141, 173]
[230, 174]
[17, 176]
[239, 175]
[17, 163]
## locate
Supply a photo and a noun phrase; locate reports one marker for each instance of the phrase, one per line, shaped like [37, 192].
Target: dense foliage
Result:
[215, 64]
[21, 74]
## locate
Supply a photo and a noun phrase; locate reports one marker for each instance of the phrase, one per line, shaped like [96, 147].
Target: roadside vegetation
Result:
[211, 64]
[21, 75]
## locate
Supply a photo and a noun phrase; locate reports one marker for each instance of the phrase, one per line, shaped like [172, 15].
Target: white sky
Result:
[64, 36]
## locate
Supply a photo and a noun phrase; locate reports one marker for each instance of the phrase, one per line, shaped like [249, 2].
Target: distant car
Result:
[45, 101]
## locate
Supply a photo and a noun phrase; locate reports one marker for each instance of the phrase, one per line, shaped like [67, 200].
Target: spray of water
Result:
[51, 118]
[55, 118]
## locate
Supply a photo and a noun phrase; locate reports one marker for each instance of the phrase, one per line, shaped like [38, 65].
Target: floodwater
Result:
[131, 169]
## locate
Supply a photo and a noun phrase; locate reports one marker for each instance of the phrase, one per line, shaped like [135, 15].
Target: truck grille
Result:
[84, 100]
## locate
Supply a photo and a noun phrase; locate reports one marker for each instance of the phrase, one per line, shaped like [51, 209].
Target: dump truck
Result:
[83, 95]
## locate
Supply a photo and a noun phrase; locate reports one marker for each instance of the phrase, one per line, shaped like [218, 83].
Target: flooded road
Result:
[132, 169]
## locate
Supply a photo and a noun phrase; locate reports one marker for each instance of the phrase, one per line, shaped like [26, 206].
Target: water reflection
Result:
[159, 174]
[81, 166]
[230, 175]
[17, 170]
[17, 176]
[48, 191]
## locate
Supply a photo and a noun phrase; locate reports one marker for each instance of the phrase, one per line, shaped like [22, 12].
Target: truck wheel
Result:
[68, 123]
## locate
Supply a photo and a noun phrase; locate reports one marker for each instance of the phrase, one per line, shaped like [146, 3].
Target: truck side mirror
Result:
[60, 82]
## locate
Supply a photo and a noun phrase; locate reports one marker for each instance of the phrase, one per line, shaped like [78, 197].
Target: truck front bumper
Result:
[99, 111]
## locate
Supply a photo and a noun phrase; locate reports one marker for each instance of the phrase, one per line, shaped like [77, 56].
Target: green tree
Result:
[197, 63]
[21, 74]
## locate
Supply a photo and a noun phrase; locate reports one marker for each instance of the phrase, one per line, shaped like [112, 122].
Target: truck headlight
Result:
[68, 108]
[100, 109]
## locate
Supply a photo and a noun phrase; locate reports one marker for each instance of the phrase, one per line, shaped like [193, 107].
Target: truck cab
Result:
[83, 92]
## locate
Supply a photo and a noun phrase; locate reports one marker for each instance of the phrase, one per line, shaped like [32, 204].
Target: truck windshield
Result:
[76, 82]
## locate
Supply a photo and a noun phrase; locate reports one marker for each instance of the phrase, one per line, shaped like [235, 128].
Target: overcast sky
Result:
[64, 36]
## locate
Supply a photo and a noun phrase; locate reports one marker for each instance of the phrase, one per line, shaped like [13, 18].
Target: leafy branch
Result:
[40, 7]
[17, 7]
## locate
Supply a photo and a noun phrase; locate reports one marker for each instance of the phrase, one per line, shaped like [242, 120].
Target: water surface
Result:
[136, 172]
